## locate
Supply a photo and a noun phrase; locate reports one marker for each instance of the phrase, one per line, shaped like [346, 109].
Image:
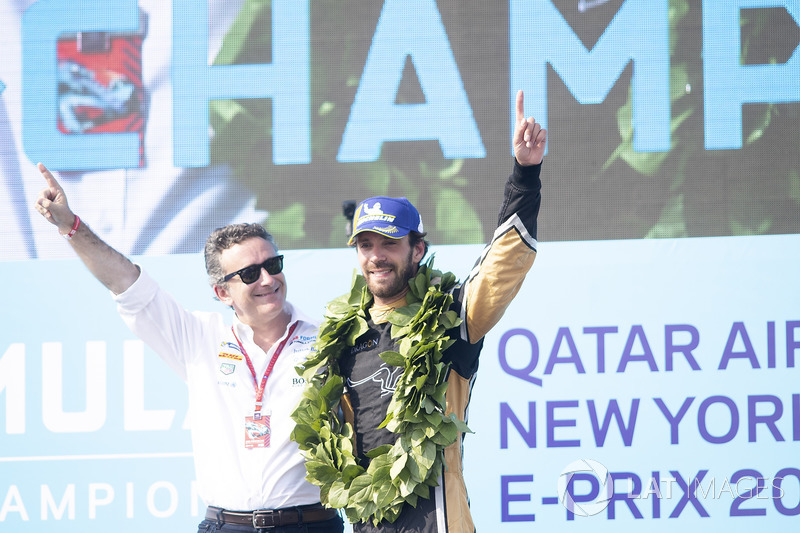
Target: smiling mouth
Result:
[381, 274]
[381, 269]
[267, 292]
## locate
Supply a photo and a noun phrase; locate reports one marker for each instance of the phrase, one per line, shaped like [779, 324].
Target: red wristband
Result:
[75, 226]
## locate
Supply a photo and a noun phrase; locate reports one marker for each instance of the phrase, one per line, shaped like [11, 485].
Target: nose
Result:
[265, 278]
[377, 254]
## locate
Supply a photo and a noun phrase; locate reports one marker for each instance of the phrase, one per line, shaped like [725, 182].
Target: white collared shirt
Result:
[202, 349]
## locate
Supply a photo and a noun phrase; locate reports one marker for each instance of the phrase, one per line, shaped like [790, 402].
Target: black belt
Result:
[272, 517]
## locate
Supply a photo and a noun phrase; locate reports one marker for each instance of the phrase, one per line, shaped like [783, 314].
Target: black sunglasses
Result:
[251, 274]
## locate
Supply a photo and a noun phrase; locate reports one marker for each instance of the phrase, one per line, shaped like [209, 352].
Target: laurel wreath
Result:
[397, 473]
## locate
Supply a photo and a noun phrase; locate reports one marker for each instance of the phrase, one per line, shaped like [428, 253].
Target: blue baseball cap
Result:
[391, 217]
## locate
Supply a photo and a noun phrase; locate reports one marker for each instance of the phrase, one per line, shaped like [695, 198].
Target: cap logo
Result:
[386, 229]
[374, 210]
[374, 214]
[391, 217]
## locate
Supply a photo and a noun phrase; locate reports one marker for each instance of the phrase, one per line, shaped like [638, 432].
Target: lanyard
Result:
[268, 371]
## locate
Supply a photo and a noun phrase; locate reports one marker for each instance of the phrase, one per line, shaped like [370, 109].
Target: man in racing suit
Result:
[389, 238]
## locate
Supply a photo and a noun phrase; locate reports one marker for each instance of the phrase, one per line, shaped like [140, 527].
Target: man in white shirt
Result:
[241, 378]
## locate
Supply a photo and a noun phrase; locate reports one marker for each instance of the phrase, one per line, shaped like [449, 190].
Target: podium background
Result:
[63, 331]
[643, 250]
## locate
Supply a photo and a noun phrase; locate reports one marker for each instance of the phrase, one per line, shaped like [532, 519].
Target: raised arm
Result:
[110, 267]
[500, 271]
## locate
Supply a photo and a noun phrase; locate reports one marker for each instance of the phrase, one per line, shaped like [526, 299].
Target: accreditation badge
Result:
[256, 432]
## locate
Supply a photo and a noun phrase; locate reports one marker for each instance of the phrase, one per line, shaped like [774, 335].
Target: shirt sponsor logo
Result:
[366, 345]
[227, 368]
[305, 339]
[229, 350]
[230, 346]
[385, 376]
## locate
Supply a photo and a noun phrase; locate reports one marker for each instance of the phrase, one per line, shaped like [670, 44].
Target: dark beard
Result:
[399, 285]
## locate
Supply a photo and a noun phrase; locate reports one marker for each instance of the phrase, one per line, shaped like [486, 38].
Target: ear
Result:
[223, 295]
[419, 252]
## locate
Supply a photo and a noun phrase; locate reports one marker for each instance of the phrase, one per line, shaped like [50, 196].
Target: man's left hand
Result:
[530, 140]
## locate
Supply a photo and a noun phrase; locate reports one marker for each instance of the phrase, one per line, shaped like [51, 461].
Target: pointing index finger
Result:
[51, 181]
[520, 107]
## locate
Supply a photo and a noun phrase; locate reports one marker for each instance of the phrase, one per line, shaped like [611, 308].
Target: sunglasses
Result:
[251, 274]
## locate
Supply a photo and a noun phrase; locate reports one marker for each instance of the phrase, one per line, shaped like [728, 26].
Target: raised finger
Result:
[520, 107]
[51, 181]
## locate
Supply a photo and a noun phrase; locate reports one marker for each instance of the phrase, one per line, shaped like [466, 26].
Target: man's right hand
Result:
[52, 203]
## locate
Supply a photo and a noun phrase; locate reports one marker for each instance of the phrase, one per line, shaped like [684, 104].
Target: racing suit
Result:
[480, 301]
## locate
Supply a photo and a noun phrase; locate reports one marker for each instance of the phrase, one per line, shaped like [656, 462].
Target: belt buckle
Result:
[265, 519]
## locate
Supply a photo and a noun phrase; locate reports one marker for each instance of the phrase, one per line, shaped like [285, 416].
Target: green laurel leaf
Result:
[397, 474]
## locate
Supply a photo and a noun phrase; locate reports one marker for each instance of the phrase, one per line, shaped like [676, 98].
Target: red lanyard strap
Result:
[268, 371]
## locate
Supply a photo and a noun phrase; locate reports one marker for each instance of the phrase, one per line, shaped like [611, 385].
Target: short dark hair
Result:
[223, 238]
